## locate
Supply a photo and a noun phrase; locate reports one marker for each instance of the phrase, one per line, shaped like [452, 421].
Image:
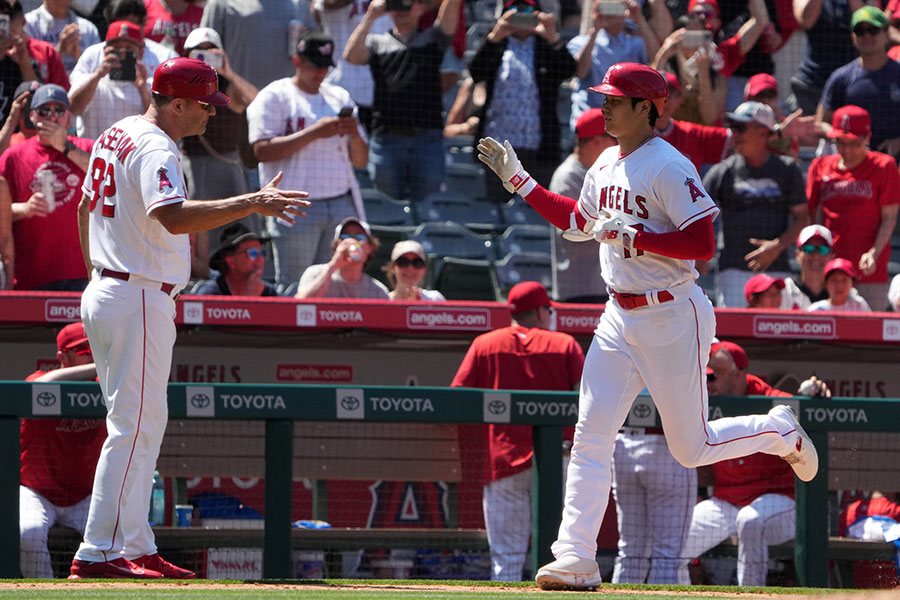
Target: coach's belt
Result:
[633, 431]
[165, 288]
[632, 301]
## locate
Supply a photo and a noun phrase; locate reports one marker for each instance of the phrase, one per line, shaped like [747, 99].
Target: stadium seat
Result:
[466, 180]
[381, 209]
[518, 212]
[452, 239]
[466, 279]
[524, 266]
[524, 238]
[387, 237]
[477, 215]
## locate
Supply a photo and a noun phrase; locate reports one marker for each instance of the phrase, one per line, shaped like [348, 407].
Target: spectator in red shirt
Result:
[858, 192]
[169, 22]
[753, 497]
[58, 460]
[47, 248]
[524, 355]
[874, 518]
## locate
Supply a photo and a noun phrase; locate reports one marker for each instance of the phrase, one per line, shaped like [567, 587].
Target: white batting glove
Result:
[614, 231]
[503, 161]
[576, 234]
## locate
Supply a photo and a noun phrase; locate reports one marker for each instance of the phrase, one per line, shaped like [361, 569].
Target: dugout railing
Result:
[546, 412]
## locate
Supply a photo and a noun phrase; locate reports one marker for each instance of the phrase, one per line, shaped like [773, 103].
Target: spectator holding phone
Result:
[308, 130]
[55, 22]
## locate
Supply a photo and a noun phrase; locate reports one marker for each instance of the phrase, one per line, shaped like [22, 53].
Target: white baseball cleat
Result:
[804, 459]
[569, 572]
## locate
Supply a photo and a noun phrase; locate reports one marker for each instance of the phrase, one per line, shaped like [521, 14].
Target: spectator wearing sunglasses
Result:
[45, 234]
[840, 276]
[344, 276]
[814, 250]
[871, 81]
[406, 271]
[239, 261]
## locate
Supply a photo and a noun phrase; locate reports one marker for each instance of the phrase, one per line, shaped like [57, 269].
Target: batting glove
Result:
[614, 231]
[503, 161]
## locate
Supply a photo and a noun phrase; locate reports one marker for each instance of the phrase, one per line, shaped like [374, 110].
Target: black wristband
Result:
[69, 147]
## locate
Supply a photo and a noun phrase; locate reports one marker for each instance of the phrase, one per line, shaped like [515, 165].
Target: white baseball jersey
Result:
[135, 167]
[657, 190]
[323, 166]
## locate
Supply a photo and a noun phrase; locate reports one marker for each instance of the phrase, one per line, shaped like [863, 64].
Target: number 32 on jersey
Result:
[103, 185]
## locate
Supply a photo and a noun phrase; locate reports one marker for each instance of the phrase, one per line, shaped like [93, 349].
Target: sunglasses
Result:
[861, 30]
[359, 237]
[404, 262]
[705, 15]
[45, 111]
[524, 8]
[710, 377]
[814, 249]
[255, 253]
[738, 127]
[205, 105]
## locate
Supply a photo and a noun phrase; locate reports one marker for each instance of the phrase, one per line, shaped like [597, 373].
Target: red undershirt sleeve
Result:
[697, 241]
[555, 208]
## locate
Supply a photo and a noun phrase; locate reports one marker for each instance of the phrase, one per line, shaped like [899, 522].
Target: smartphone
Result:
[347, 111]
[4, 26]
[524, 20]
[398, 5]
[694, 38]
[29, 124]
[127, 70]
[213, 59]
[611, 8]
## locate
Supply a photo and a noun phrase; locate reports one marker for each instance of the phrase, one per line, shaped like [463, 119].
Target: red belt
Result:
[165, 288]
[632, 301]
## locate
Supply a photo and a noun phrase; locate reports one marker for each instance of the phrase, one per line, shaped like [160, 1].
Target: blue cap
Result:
[49, 93]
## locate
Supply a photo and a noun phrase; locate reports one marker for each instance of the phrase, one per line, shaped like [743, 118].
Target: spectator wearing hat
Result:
[239, 260]
[522, 68]
[344, 275]
[406, 271]
[871, 81]
[170, 22]
[211, 160]
[814, 250]
[23, 58]
[840, 275]
[56, 23]
[135, 11]
[45, 232]
[297, 128]
[856, 194]
[763, 291]
[761, 198]
[58, 460]
[704, 66]
[576, 276]
[607, 43]
[407, 149]
[792, 131]
[524, 355]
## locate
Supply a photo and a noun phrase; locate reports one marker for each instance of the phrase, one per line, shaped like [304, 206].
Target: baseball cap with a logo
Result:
[840, 264]
[753, 112]
[815, 231]
[760, 283]
[345, 222]
[759, 83]
[528, 295]
[850, 122]
[317, 48]
[869, 14]
[590, 124]
[72, 336]
[49, 92]
[202, 35]
[125, 30]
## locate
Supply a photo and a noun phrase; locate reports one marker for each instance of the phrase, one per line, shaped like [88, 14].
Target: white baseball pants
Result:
[36, 516]
[132, 332]
[507, 518]
[768, 520]
[664, 347]
[654, 497]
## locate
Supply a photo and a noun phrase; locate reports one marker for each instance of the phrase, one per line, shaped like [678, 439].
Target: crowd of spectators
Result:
[340, 96]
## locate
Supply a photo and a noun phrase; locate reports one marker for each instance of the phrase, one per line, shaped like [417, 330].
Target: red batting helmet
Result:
[188, 78]
[634, 80]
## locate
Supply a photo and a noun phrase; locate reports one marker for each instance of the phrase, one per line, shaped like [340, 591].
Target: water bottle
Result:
[158, 501]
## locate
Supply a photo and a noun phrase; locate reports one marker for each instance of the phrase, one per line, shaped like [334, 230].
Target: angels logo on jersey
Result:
[162, 175]
[696, 194]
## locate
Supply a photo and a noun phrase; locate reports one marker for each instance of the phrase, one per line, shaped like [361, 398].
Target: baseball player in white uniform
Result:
[643, 201]
[133, 219]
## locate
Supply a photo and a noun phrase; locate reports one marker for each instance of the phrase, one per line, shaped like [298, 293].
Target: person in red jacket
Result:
[525, 355]
[58, 460]
[753, 497]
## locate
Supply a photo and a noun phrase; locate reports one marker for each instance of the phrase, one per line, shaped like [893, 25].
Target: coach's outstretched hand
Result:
[284, 204]
[502, 160]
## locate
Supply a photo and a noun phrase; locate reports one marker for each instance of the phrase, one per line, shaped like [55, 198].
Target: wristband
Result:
[69, 147]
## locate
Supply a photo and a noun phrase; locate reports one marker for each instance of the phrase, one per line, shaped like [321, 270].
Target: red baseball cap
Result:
[509, 3]
[760, 283]
[850, 122]
[125, 30]
[714, 3]
[736, 352]
[71, 336]
[528, 295]
[840, 264]
[672, 81]
[758, 84]
[590, 124]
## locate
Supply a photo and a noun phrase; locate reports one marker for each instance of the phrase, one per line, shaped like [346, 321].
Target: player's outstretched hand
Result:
[610, 230]
[285, 204]
[502, 160]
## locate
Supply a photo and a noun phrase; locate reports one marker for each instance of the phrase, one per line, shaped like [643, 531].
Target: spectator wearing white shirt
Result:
[308, 130]
[840, 275]
[55, 22]
[815, 249]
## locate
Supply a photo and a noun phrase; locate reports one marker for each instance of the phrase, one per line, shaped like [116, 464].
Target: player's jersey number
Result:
[639, 227]
[103, 185]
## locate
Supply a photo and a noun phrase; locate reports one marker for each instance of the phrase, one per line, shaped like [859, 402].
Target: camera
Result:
[127, 69]
[213, 59]
[694, 38]
[525, 20]
[611, 8]
[399, 5]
